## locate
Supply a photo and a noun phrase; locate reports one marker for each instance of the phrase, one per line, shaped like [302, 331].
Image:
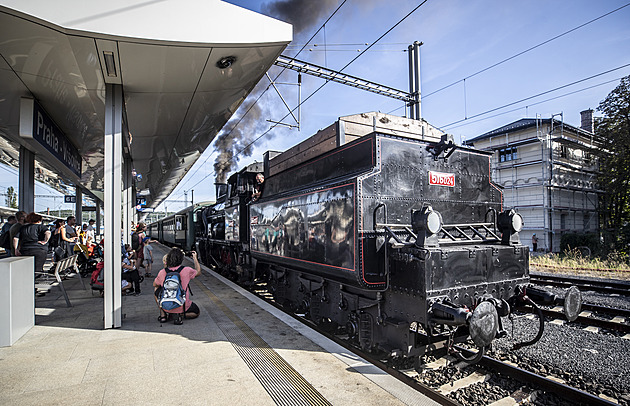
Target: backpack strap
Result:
[188, 288]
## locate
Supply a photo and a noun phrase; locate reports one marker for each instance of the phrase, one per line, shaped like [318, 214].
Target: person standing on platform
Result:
[56, 243]
[91, 231]
[4, 235]
[147, 251]
[137, 244]
[32, 240]
[69, 235]
[15, 228]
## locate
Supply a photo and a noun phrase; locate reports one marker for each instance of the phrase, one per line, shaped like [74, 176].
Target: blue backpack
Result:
[173, 294]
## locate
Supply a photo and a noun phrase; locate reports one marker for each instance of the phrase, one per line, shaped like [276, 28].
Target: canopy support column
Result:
[78, 206]
[98, 220]
[112, 201]
[26, 187]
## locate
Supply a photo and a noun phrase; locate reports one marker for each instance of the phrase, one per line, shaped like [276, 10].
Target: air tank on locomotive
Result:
[383, 226]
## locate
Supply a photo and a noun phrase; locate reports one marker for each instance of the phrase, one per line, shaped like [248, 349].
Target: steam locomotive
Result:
[381, 228]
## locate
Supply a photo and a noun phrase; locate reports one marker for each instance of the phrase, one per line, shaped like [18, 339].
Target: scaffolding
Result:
[548, 172]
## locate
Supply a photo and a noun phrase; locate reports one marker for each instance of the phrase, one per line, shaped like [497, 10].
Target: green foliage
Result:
[571, 241]
[613, 130]
[11, 199]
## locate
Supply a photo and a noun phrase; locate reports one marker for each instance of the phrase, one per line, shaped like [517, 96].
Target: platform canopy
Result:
[185, 66]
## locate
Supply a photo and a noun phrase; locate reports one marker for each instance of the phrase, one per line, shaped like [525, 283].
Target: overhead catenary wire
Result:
[526, 51]
[258, 98]
[536, 95]
[324, 84]
[537, 103]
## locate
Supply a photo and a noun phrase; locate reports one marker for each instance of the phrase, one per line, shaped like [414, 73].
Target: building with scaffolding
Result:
[548, 172]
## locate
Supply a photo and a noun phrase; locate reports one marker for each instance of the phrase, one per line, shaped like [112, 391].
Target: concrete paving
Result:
[239, 351]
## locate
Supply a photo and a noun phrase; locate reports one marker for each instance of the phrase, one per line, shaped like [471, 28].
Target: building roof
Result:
[524, 124]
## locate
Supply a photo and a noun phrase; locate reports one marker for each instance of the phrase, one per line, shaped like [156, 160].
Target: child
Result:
[148, 256]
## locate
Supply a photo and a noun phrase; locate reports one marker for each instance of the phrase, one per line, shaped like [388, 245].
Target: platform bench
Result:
[63, 268]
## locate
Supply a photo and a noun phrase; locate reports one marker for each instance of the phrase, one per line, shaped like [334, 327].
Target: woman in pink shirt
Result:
[174, 260]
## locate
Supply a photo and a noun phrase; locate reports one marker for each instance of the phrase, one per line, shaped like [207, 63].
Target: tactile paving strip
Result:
[283, 383]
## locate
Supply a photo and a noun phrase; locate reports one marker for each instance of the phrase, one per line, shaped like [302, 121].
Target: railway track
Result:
[539, 382]
[584, 284]
[522, 385]
[587, 317]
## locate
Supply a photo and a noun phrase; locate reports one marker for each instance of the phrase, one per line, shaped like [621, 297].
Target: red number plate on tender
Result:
[441, 179]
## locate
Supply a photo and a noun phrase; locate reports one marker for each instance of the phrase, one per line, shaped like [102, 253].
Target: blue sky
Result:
[460, 38]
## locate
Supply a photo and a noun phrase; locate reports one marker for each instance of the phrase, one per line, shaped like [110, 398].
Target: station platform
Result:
[240, 350]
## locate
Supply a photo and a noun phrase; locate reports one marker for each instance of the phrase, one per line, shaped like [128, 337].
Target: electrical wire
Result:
[537, 95]
[537, 103]
[340, 70]
[324, 84]
[258, 98]
[527, 50]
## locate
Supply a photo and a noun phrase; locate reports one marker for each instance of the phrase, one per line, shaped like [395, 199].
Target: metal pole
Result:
[416, 65]
[411, 78]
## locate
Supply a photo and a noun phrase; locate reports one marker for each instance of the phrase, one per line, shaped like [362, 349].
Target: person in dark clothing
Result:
[131, 275]
[57, 243]
[20, 216]
[69, 235]
[32, 240]
[5, 230]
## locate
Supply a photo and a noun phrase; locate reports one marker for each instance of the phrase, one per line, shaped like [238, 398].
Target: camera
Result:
[188, 253]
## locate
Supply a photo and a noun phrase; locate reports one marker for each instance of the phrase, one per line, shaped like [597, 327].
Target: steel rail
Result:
[590, 321]
[619, 288]
[560, 389]
[606, 310]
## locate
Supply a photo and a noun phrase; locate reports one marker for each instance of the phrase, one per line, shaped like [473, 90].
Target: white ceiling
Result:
[176, 97]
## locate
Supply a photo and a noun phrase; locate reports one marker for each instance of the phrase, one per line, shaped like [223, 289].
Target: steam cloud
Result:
[303, 14]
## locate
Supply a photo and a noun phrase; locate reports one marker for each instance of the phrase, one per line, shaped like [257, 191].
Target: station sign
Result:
[69, 199]
[36, 124]
[147, 210]
[141, 201]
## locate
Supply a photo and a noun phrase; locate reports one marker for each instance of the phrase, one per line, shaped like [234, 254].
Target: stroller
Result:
[88, 258]
[96, 281]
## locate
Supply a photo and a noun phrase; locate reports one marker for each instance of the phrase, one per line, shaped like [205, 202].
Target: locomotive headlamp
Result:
[510, 223]
[433, 222]
[426, 219]
[427, 223]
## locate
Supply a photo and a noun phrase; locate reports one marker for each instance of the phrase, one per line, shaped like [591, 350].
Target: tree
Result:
[614, 132]
[11, 200]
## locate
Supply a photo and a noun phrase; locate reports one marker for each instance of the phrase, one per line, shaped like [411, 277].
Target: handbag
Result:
[60, 252]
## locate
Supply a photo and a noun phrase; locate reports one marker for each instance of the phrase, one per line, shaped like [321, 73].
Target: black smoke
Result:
[303, 14]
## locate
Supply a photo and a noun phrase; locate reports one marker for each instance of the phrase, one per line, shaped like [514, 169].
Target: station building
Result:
[548, 173]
